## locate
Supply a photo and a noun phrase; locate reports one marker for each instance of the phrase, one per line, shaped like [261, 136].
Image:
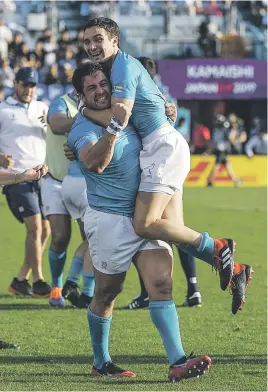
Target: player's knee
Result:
[59, 241]
[34, 231]
[162, 286]
[107, 294]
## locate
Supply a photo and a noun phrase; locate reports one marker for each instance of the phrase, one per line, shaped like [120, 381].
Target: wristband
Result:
[81, 109]
[115, 127]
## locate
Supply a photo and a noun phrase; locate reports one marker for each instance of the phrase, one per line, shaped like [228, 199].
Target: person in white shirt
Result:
[257, 144]
[23, 142]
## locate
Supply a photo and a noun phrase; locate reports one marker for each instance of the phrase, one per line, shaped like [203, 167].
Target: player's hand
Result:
[68, 153]
[6, 161]
[35, 173]
[171, 111]
[121, 113]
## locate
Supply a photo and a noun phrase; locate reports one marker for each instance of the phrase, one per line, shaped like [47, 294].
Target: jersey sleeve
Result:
[80, 135]
[57, 106]
[125, 79]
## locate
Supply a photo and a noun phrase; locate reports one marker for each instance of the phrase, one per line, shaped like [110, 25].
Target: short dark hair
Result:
[86, 69]
[107, 24]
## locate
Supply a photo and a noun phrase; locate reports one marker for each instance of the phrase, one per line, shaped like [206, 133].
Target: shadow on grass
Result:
[24, 306]
[257, 359]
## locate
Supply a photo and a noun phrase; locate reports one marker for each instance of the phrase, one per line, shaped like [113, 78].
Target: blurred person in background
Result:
[221, 146]
[14, 48]
[257, 144]
[5, 39]
[193, 297]
[201, 139]
[237, 134]
[6, 178]
[23, 141]
[7, 74]
[2, 93]
[62, 203]
[206, 40]
[256, 127]
[183, 128]
[53, 75]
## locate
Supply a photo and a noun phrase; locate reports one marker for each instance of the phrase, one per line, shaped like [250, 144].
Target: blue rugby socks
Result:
[88, 284]
[75, 269]
[99, 328]
[165, 318]
[205, 250]
[56, 263]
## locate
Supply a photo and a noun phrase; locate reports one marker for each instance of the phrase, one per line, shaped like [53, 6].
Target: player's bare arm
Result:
[32, 174]
[60, 124]
[97, 156]
[121, 110]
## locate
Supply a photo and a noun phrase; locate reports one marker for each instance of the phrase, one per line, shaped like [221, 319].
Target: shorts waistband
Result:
[158, 132]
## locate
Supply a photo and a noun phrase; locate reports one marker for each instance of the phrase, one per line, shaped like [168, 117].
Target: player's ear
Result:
[115, 41]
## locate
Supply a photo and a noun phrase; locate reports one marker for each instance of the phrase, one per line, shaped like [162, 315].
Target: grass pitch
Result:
[55, 353]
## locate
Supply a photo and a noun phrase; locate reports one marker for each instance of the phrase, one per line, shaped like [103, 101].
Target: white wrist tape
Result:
[114, 127]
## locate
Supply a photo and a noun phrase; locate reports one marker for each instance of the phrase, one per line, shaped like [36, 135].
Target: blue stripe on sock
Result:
[165, 318]
[99, 328]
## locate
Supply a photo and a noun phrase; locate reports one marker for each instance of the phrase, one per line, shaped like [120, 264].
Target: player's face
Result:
[98, 44]
[24, 92]
[97, 91]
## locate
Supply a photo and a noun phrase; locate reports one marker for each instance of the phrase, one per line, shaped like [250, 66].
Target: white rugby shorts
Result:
[164, 161]
[74, 194]
[113, 242]
[52, 202]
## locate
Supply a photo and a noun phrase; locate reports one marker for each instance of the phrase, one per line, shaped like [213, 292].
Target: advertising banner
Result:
[214, 78]
[252, 171]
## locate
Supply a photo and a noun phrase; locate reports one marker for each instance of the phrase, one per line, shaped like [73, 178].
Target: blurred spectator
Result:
[221, 149]
[7, 74]
[67, 74]
[183, 128]
[50, 48]
[237, 134]
[206, 40]
[64, 40]
[257, 125]
[46, 36]
[80, 51]
[201, 138]
[257, 144]
[2, 93]
[5, 39]
[53, 75]
[68, 58]
[39, 52]
[14, 48]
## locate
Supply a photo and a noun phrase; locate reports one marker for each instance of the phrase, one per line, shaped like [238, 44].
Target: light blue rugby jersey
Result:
[59, 106]
[114, 190]
[131, 80]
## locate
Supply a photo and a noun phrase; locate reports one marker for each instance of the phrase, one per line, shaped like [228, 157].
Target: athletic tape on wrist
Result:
[114, 127]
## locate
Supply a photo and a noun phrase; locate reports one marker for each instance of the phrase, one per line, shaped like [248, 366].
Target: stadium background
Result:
[54, 354]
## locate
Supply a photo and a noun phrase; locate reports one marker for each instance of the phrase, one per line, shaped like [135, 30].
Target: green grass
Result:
[55, 351]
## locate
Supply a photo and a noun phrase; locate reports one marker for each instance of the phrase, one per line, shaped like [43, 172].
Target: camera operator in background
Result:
[221, 147]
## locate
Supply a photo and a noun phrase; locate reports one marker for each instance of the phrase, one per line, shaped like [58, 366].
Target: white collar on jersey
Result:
[14, 102]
